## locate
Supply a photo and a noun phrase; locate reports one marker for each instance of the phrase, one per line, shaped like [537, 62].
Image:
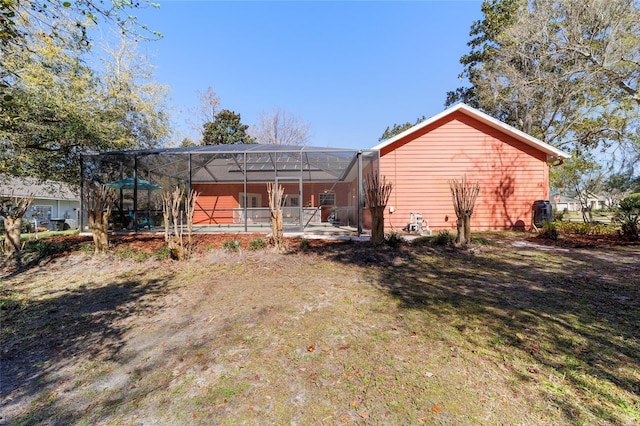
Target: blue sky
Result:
[349, 68]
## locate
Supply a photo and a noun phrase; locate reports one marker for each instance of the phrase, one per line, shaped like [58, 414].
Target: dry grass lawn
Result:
[340, 333]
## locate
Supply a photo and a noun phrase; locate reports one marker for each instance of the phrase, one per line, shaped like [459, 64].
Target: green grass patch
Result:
[128, 253]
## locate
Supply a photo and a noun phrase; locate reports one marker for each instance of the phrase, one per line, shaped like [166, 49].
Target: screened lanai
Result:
[323, 186]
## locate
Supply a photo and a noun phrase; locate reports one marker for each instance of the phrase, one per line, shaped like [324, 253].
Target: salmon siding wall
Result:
[216, 202]
[512, 175]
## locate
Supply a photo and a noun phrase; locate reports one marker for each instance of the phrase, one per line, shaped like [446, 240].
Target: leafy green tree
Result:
[396, 129]
[498, 15]
[616, 186]
[566, 72]
[60, 108]
[136, 102]
[582, 175]
[225, 129]
[187, 142]
[51, 17]
[68, 22]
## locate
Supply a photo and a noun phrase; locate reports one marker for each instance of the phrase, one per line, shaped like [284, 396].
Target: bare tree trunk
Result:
[190, 207]
[173, 216]
[99, 201]
[276, 199]
[464, 196]
[175, 241]
[376, 195]
[466, 223]
[12, 228]
[460, 232]
[166, 212]
[377, 225]
[99, 226]
[13, 209]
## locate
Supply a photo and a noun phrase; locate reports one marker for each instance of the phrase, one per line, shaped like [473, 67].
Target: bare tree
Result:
[206, 111]
[172, 212]
[99, 200]
[13, 208]
[376, 195]
[279, 127]
[276, 200]
[190, 207]
[464, 200]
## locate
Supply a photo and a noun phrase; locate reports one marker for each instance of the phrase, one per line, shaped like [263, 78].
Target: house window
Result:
[43, 213]
[253, 200]
[293, 201]
[327, 198]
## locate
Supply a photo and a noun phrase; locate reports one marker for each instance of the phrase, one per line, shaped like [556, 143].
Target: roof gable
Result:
[552, 152]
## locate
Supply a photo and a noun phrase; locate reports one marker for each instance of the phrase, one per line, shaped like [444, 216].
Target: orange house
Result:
[511, 167]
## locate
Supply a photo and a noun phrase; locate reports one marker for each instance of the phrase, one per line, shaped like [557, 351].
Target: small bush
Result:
[444, 238]
[549, 231]
[394, 240]
[87, 248]
[628, 216]
[163, 253]
[257, 244]
[231, 245]
[422, 241]
[132, 254]
[581, 228]
[305, 244]
[45, 248]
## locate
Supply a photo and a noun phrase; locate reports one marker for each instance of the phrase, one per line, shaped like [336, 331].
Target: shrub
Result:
[444, 238]
[87, 248]
[549, 231]
[231, 245]
[45, 248]
[421, 241]
[257, 244]
[628, 216]
[132, 254]
[394, 240]
[305, 244]
[162, 253]
[581, 228]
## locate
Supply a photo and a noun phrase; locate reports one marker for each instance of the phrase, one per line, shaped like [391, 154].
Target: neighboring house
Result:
[511, 167]
[571, 203]
[55, 205]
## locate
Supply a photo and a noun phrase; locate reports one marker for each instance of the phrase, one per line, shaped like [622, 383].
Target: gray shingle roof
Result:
[50, 190]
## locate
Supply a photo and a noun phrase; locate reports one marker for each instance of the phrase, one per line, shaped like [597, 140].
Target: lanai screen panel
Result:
[323, 184]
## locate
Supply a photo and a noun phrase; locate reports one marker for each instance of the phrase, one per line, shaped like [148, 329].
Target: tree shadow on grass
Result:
[40, 338]
[576, 312]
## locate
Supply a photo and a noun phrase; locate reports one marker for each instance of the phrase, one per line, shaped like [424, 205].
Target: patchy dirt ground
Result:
[338, 333]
